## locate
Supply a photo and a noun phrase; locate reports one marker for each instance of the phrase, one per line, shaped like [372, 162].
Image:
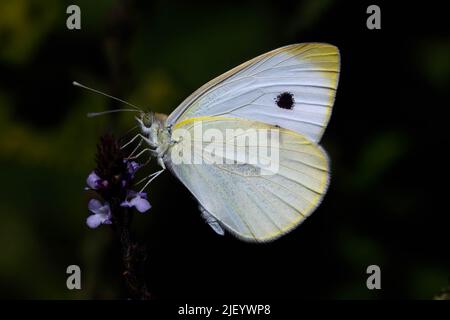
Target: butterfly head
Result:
[153, 127]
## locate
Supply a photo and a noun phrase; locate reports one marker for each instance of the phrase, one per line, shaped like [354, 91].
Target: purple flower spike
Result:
[139, 201]
[102, 214]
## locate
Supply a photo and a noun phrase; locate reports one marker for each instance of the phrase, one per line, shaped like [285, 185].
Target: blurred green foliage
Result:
[173, 49]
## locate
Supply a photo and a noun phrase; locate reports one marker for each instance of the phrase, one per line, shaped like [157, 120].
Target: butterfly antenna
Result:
[94, 114]
[135, 108]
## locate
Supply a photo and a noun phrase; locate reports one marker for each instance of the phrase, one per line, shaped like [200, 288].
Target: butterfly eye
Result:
[285, 100]
[147, 119]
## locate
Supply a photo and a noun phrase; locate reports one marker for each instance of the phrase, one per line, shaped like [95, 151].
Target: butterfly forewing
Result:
[293, 87]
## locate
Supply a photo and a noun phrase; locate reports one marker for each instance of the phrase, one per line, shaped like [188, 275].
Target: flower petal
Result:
[141, 204]
[92, 180]
[105, 209]
[132, 167]
[138, 201]
[94, 205]
[93, 221]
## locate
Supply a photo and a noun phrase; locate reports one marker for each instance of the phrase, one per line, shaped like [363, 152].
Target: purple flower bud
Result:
[138, 200]
[132, 167]
[102, 214]
[93, 180]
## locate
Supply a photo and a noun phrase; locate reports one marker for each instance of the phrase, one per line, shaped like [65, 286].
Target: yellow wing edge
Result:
[332, 77]
[302, 215]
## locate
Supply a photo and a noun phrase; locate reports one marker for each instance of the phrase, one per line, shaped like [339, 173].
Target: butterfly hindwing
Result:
[246, 199]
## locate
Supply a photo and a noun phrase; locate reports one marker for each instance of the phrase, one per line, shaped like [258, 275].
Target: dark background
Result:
[387, 140]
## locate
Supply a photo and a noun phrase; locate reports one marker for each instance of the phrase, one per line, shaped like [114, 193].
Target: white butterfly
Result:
[291, 89]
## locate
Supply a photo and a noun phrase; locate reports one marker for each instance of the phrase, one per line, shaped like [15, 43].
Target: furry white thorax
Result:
[157, 134]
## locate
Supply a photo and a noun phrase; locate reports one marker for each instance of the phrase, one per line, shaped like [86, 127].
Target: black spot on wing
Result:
[285, 100]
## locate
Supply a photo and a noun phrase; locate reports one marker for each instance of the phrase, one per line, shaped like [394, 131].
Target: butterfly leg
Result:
[161, 163]
[211, 220]
[150, 178]
[135, 149]
[145, 178]
[152, 152]
[142, 137]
